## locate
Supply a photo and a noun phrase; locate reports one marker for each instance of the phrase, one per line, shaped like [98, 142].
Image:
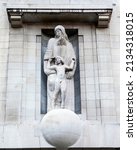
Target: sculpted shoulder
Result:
[51, 40]
[51, 43]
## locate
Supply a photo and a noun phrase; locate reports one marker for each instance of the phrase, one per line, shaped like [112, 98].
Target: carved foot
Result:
[62, 106]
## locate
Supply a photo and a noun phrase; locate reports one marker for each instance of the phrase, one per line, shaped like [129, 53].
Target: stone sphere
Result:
[61, 127]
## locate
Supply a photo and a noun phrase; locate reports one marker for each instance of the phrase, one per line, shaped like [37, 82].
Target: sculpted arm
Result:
[49, 66]
[71, 66]
[47, 71]
[47, 56]
[71, 55]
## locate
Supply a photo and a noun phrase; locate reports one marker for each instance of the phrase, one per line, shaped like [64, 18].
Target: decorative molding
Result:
[19, 16]
[103, 20]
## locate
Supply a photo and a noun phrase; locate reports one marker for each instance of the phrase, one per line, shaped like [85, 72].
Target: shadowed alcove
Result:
[73, 38]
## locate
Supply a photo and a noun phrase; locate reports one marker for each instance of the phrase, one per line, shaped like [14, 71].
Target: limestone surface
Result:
[61, 128]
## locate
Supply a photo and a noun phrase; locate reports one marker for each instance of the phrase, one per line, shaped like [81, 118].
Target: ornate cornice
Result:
[19, 16]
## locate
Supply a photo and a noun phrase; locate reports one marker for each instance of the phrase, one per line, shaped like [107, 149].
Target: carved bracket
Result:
[103, 20]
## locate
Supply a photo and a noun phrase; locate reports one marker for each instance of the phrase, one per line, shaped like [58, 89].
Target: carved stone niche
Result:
[73, 103]
[19, 16]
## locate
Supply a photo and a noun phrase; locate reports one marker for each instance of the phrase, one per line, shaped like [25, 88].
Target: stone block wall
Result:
[20, 51]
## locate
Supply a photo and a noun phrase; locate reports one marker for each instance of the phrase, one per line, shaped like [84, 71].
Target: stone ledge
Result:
[19, 16]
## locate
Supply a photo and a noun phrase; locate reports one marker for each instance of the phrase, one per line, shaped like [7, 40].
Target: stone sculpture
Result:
[58, 46]
[60, 81]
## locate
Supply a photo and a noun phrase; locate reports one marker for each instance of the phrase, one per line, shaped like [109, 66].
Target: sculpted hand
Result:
[73, 59]
[69, 75]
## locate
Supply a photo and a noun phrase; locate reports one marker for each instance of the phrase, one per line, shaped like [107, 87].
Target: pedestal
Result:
[61, 128]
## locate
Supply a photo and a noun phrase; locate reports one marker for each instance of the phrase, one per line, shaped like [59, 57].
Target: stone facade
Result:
[20, 65]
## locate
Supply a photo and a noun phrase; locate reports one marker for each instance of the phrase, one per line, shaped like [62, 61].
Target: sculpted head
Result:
[59, 60]
[60, 31]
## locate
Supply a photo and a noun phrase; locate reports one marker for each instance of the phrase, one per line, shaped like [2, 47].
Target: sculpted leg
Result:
[63, 93]
[55, 95]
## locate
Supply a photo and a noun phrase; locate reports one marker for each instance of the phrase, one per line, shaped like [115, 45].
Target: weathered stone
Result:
[20, 77]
